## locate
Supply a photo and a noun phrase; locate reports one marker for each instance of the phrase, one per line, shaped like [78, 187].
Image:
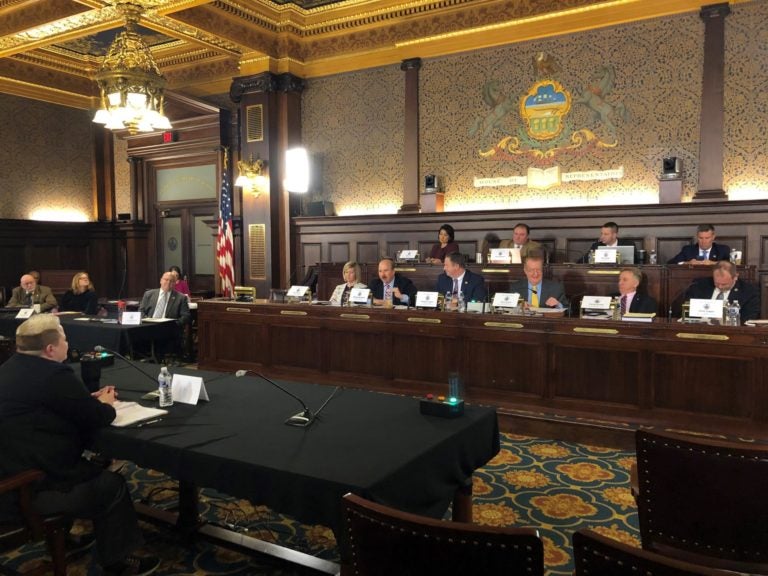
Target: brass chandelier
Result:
[130, 82]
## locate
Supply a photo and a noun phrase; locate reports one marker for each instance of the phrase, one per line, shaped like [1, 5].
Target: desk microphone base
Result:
[442, 409]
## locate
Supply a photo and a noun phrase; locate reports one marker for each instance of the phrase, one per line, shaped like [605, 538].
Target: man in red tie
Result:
[630, 299]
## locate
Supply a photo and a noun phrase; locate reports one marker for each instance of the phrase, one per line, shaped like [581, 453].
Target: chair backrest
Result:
[19, 523]
[596, 555]
[703, 500]
[382, 541]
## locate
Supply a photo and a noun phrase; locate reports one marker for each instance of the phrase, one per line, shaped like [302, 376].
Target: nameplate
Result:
[25, 313]
[188, 389]
[476, 307]
[501, 256]
[694, 336]
[605, 256]
[130, 318]
[425, 320]
[426, 299]
[293, 313]
[604, 272]
[355, 316]
[297, 291]
[496, 270]
[506, 299]
[516, 325]
[359, 295]
[705, 308]
[247, 310]
[583, 330]
[596, 302]
[408, 255]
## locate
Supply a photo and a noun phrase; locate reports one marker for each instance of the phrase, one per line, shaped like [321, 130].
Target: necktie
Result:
[160, 307]
[623, 304]
[455, 286]
[29, 298]
[720, 295]
[534, 297]
[387, 292]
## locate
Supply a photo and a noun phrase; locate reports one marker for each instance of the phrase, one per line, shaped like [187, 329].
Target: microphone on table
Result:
[102, 349]
[304, 418]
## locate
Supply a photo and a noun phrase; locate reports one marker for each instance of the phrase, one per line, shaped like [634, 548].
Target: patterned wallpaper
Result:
[746, 113]
[122, 177]
[353, 121]
[353, 128]
[45, 161]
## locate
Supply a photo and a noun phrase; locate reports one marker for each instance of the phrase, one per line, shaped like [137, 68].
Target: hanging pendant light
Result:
[130, 82]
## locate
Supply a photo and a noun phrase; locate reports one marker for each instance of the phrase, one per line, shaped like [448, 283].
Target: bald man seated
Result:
[30, 293]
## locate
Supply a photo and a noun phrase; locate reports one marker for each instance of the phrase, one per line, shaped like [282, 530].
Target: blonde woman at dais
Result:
[351, 273]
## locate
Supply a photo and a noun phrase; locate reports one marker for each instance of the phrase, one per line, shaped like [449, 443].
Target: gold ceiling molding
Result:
[174, 27]
[45, 94]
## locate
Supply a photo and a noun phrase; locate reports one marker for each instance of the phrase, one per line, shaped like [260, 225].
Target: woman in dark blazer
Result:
[81, 297]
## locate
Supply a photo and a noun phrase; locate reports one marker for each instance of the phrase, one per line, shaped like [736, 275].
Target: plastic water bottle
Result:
[164, 387]
[462, 302]
[733, 314]
[653, 257]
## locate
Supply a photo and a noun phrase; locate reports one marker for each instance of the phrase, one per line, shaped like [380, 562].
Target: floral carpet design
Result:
[556, 487]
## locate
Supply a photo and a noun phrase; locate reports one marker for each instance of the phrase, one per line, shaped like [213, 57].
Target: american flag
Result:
[224, 242]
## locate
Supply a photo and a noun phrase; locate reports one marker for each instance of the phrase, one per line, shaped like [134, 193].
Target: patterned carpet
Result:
[557, 487]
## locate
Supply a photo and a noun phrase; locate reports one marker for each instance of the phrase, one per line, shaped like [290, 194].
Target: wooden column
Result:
[411, 141]
[712, 113]
[270, 120]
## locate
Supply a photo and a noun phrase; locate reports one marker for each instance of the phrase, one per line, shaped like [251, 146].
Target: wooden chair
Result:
[24, 525]
[381, 541]
[703, 501]
[596, 555]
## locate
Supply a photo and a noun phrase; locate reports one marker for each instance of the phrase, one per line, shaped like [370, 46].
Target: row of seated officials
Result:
[173, 295]
[704, 252]
[394, 288]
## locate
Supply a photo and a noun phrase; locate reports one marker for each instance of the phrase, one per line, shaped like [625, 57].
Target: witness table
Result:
[376, 445]
[86, 332]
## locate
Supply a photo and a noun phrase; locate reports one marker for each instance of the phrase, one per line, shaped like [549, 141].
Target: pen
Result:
[149, 422]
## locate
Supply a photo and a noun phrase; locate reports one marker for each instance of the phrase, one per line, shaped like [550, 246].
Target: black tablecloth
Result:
[85, 332]
[376, 445]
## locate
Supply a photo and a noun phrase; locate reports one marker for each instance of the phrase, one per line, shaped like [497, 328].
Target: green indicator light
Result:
[453, 400]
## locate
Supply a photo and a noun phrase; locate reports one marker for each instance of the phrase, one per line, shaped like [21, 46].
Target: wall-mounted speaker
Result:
[671, 168]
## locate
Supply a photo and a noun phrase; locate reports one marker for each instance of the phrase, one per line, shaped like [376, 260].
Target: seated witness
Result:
[47, 418]
[392, 286]
[456, 277]
[30, 293]
[522, 241]
[181, 282]
[609, 238]
[81, 297]
[444, 246]
[165, 302]
[534, 290]
[351, 273]
[630, 299]
[705, 252]
[725, 284]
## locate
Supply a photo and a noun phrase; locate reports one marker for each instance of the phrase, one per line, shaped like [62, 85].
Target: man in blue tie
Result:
[705, 252]
[456, 278]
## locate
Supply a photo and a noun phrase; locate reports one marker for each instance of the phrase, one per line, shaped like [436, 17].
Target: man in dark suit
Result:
[165, 302]
[456, 277]
[47, 419]
[609, 238]
[630, 299]
[534, 290]
[392, 286]
[29, 293]
[725, 284]
[705, 252]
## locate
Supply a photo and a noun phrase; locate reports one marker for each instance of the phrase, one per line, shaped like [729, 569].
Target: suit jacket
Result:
[641, 303]
[595, 245]
[745, 294]
[177, 305]
[691, 252]
[529, 246]
[86, 302]
[401, 282]
[47, 417]
[548, 288]
[42, 295]
[473, 286]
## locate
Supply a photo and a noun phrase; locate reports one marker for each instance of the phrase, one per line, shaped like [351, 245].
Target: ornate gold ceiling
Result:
[51, 49]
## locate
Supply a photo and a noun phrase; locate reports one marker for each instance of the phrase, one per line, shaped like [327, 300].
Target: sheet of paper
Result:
[132, 412]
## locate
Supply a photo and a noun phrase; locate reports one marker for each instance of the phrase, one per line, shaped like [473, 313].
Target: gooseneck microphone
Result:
[303, 418]
[127, 361]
